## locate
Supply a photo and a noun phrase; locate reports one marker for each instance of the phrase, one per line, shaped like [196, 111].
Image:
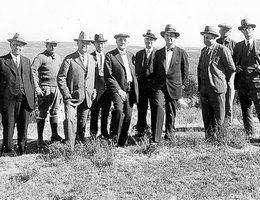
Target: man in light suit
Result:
[214, 69]
[122, 85]
[247, 81]
[16, 95]
[76, 79]
[144, 69]
[171, 69]
[102, 101]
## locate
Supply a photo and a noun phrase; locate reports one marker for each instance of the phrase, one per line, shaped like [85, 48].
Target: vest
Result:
[19, 79]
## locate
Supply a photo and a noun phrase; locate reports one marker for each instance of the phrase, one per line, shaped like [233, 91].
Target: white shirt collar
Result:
[122, 52]
[151, 49]
[15, 57]
[250, 41]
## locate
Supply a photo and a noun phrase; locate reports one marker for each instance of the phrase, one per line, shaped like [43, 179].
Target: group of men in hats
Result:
[224, 68]
[156, 77]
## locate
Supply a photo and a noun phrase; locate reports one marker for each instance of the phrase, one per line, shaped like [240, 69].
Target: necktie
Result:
[170, 49]
[100, 66]
[85, 61]
[248, 47]
[207, 51]
[16, 62]
[148, 53]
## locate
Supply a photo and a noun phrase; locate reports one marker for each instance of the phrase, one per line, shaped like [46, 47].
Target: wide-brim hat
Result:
[51, 40]
[170, 29]
[99, 38]
[124, 34]
[245, 23]
[225, 26]
[149, 34]
[84, 37]
[210, 30]
[18, 38]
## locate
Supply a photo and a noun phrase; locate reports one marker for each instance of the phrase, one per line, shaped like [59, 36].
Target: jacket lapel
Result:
[174, 57]
[163, 56]
[213, 53]
[256, 50]
[120, 60]
[10, 63]
[129, 57]
[78, 60]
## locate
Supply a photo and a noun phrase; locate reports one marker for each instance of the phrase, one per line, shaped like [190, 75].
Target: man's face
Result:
[224, 32]
[51, 47]
[148, 42]
[169, 38]
[83, 46]
[99, 46]
[209, 39]
[16, 47]
[248, 32]
[122, 43]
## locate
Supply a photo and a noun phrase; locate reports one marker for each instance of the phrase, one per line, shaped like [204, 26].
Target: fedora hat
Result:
[99, 38]
[18, 38]
[170, 29]
[84, 36]
[51, 40]
[225, 26]
[210, 30]
[124, 34]
[150, 34]
[245, 23]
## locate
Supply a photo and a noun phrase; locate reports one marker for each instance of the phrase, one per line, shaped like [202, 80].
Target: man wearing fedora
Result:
[171, 68]
[144, 69]
[122, 86]
[224, 39]
[102, 101]
[16, 95]
[76, 79]
[247, 81]
[214, 70]
[45, 68]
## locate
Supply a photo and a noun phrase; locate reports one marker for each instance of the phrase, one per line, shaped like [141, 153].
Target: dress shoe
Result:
[56, 138]
[254, 140]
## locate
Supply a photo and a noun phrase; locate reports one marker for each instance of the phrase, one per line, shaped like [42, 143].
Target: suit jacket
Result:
[220, 67]
[240, 77]
[8, 80]
[228, 42]
[74, 79]
[177, 73]
[99, 80]
[144, 69]
[115, 74]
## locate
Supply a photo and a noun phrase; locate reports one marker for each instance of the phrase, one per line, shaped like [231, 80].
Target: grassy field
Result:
[184, 168]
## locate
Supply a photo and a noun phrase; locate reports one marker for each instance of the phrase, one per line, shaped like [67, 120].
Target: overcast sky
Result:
[37, 20]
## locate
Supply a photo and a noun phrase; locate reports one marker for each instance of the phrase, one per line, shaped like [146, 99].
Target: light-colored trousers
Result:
[230, 94]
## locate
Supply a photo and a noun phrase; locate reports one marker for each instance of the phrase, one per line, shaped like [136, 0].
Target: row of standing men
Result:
[94, 80]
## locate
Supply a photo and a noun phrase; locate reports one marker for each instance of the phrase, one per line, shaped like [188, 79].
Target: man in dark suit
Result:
[144, 69]
[224, 39]
[76, 79]
[102, 101]
[122, 85]
[16, 95]
[247, 81]
[171, 69]
[214, 70]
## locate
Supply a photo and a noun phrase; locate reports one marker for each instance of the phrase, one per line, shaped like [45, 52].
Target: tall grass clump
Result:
[99, 152]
